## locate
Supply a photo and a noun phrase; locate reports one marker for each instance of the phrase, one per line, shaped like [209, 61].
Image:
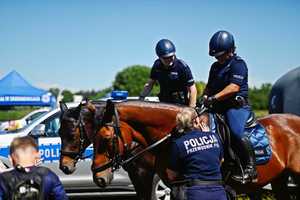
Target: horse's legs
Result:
[142, 180]
[279, 187]
[296, 178]
[256, 195]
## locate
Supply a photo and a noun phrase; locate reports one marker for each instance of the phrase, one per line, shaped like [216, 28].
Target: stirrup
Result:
[247, 176]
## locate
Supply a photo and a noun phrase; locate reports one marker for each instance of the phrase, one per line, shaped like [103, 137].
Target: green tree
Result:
[200, 85]
[259, 97]
[54, 91]
[67, 96]
[101, 93]
[133, 79]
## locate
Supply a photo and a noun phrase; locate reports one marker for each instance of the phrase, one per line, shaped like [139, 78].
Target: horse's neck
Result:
[151, 124]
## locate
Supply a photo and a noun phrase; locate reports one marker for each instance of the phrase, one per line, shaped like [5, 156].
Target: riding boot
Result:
[250, 172]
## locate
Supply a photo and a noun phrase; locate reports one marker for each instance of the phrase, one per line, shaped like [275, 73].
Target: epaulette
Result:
[238, 58]
[183, 63]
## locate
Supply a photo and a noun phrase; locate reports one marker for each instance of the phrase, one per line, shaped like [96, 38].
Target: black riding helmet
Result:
[220, 43]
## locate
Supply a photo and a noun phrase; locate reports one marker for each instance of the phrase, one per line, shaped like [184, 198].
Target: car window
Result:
[52, 125]
[34, 116]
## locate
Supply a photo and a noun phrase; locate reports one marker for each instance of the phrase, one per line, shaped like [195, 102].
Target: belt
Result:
[195, 182]
[241, 101]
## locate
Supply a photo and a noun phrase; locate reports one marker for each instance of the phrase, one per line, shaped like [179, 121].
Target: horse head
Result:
[105, 146]
[120, 124]
[74, 130]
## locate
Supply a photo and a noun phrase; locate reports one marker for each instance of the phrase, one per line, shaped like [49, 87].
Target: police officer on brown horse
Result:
[227, 93]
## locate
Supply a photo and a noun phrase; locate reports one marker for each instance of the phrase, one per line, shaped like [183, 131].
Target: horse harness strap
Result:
[116, 160]
[126, 162]
[82, 140]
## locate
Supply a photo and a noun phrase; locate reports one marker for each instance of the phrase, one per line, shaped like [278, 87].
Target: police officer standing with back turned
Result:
[174, 76]
[196, 157]
[227, 93]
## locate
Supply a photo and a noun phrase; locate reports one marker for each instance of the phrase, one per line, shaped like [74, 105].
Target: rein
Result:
[117, 160]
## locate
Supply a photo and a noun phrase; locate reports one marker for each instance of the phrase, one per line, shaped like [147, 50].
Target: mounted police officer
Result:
[173, 75]
[196, 156]
[227, 93]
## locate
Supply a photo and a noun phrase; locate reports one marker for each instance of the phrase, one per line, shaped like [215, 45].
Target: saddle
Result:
[256, 134]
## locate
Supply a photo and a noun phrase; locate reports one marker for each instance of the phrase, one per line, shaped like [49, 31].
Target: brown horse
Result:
[150, 122]
[77, 132]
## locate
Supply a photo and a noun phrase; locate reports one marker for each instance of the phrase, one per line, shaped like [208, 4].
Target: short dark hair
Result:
[22, 142]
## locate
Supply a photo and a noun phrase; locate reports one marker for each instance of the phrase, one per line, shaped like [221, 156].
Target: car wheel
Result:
[159, 190]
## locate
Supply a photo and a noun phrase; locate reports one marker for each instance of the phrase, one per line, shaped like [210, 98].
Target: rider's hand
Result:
[141, 98]
[209, 101]
[204, 127]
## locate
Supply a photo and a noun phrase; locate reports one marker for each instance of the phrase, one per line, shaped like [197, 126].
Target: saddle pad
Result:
[260, 143]
[258, 138]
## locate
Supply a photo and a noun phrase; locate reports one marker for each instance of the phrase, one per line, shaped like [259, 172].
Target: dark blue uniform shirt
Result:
[197, 155]
[233, 70]
[52, 187]
[172, 80]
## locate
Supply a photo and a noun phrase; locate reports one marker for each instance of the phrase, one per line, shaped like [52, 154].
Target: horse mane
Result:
[152, 105]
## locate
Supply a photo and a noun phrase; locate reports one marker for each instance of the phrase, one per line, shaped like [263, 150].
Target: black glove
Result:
[141, 98]
[209, 101]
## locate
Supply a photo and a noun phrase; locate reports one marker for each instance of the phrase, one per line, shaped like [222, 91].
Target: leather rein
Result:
[118, 160]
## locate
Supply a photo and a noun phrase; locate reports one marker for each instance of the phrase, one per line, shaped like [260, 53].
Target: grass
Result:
[267, 195]
[15, 113]
[261, 113]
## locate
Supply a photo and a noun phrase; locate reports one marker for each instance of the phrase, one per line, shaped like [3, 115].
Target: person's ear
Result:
[37, 158]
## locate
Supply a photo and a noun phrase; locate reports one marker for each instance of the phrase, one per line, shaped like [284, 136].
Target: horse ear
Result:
[78, 108]
[91, 107]
[63, 106]
[109, 110]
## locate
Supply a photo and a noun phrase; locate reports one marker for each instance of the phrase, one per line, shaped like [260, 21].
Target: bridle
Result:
[76, 155]
[116, 159]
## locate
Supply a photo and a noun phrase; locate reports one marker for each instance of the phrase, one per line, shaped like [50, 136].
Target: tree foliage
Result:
[67, 96]
[101, 93]
[259, 96]
[54, 92]
[200, 85]
[133, 79]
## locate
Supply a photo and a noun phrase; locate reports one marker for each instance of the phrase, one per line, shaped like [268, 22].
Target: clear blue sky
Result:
[83, 44]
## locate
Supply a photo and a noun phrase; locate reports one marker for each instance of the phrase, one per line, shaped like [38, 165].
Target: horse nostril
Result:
[100, 182]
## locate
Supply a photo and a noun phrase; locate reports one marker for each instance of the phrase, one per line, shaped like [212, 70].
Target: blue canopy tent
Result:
[16, 91]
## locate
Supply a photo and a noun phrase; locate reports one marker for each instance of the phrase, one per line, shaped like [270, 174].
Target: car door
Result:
[49, 147]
